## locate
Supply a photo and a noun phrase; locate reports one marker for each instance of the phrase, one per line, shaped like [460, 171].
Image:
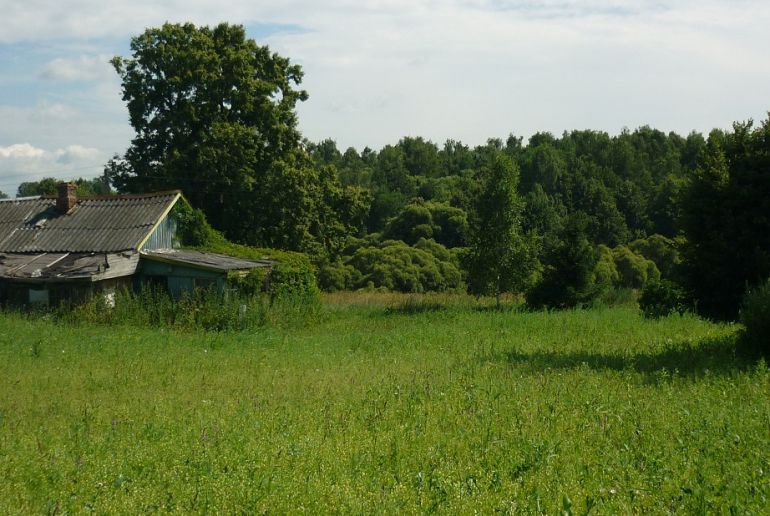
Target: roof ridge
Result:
[165, 193]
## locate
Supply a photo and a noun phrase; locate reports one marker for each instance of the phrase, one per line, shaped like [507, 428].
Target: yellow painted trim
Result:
[157, 222]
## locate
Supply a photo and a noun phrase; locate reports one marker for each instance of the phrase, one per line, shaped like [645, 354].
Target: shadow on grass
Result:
[415, 307]
[718, 356]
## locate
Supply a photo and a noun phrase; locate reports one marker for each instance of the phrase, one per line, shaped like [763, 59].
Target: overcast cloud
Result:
[376, 71]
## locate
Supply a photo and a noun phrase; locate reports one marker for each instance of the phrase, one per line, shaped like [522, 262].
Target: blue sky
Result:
[380, 70]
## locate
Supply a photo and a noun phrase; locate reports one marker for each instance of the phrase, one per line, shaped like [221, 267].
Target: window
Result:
[39, 296]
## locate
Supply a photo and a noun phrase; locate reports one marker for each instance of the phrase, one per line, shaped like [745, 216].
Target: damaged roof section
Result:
[206, 261]
[67, 266]
[94, 224]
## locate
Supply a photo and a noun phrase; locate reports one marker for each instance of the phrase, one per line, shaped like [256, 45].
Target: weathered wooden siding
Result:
[164, 236]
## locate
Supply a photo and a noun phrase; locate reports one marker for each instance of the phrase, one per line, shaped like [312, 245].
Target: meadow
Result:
[386, 404]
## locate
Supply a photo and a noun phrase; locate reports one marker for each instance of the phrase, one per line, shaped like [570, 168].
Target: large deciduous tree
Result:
[214, 115]
[500, 258]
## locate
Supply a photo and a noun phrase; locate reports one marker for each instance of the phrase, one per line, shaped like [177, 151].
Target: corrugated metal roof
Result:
[211, 261]
[103, 224]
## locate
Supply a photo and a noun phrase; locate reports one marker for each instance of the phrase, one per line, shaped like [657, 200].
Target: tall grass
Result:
[386, 407]
[203, 309]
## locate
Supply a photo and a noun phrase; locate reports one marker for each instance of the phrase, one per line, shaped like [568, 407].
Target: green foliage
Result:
[242, 307]
[662, 298]
[444, 224]
[755, 316]
[606, 271]
[98, 186]
[46, 186]
[393, 265]
[391, 174]
[420, 157]
[726, 215]
[208, 310]
[3, 195]
[337, 275]
[434, 407]
[634, 270]
[412, 223]
[214, 117]
[189, 90]
[542, 214]
[664, 252]
[568, 278]
[293, 275]
[500, 258]
[385, 205]
[192, 228]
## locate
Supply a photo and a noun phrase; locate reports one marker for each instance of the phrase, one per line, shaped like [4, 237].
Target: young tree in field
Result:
[568, 278]
[500, 258]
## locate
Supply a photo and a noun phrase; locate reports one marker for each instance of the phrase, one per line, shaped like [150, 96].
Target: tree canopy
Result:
[214, 115]
[500, 258]
[726, 216]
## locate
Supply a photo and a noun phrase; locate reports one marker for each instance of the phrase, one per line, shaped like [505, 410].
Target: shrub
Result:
[661, 250]
[635, 271]
[755, 316]
[335, 276]
[293, 275]
[445, 224]
[662, 298]
[393, 265]
[605, 273]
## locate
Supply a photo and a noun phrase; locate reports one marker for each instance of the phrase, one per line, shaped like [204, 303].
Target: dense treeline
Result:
[562, 219]
[621, 194]
[684, 219]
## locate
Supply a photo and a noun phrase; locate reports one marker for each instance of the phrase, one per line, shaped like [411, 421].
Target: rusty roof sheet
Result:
[211, 261]
[98, 224]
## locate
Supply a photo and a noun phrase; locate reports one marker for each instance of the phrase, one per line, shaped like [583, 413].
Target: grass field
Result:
[385, 405]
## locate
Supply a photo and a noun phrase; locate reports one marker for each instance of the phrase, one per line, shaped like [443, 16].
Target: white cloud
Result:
[466, 69]
[22, 162]
[80, 68]
[21, 151]
[75, 153]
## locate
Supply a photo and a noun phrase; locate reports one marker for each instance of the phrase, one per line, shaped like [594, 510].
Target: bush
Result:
[606, 272]
[445, 224]
[755, 316]
[662, 298]
[662, 251]
[634, 270]
[393, 265]
[335, 276]
[293, 275]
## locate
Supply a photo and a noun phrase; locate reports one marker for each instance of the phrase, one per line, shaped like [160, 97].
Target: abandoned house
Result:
[64, 248]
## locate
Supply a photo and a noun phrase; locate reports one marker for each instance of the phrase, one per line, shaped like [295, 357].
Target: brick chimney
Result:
[67, 197]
